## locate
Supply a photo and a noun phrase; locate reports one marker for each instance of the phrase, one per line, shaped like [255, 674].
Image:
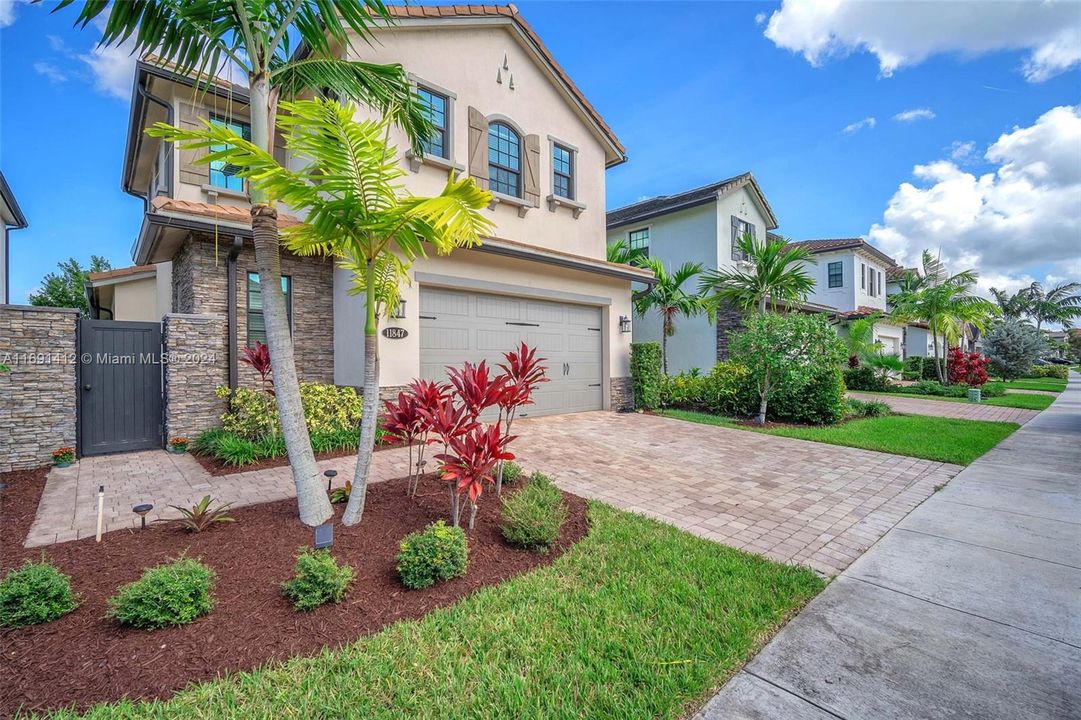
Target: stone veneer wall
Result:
[37, 398]
[622, 394]
[200, 287]
[197, 362]
[729, 320]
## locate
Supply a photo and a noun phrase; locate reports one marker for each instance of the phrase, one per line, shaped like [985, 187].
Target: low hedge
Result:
[863, 378]
[237, 450]
[1062, 372]
[647, 379]
[253, 413]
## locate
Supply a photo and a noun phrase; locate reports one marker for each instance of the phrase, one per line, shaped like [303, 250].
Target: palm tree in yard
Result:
[1012, 307]
[358, 214]
[670, 300]
[620, 251]
[284, 47]
[778, 276]
[1060, 304]
[945, 304]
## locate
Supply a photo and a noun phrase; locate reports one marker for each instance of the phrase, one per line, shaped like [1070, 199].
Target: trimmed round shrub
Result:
[512, 472]
[533, 515]
[318, 579]
[646, 376]
[174, 593]
[866, 408]
[35, 593]
[820, 402]
[439, 553]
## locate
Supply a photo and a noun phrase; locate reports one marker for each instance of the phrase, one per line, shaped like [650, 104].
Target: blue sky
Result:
[696, 91]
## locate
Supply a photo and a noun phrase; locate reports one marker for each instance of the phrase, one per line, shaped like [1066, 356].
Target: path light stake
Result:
[101, 509]
[141, 510]
[330, 475]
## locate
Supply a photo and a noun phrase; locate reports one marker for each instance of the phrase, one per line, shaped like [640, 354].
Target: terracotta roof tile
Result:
[831, 244]
[229, 213]
[119, 272]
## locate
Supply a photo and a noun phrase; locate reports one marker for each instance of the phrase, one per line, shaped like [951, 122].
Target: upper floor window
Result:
[879, 282]
[504, 160]
[863, 276]
[222, 174]
[739, 229]
[562, 171]
[835, 271]
[436, 106]
[256, 320]
[639, 240]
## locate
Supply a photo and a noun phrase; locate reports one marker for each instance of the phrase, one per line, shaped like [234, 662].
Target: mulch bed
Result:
[84, 658]
[217, 468]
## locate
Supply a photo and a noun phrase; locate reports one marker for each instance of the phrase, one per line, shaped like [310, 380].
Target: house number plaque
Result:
[395, 333]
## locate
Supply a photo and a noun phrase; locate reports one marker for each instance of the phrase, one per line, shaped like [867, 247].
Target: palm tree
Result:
[1060, 304]
[860, 339]
[620, 251]
[284, 47]
[946, 304]
[779, 276]
[358, 214]
[1012, 307]
[670, 300]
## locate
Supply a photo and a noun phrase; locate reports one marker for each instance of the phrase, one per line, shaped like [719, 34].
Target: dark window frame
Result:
[516, 172]
[568, 176]
[288, 280]
[839, 276]
[739, 228]
[631, 240]
[219, 166]
[879, 282]
[863, 276]
[441, 130]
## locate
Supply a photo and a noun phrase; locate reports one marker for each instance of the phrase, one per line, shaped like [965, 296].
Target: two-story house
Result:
[850, 277]
[507, 115]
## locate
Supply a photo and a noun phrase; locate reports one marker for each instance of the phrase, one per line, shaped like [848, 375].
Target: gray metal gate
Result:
[119, 377]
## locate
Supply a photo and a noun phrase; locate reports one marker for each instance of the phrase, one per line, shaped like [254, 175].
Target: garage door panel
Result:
[584, 316]
[545, 312]
[549, 344]
[499, 341]
[495, 307]
[584, 342]
[440, 302]
[443, 339]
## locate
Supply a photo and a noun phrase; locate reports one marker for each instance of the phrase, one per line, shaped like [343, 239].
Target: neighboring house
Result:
[11, 218]
[918, 340]
[139, 293]
[699, 225]
[509, 116]
[850, 275]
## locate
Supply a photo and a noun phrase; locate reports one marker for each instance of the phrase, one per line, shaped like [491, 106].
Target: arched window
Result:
[504, 160]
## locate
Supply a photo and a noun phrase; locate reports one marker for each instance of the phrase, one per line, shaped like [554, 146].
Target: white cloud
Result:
[760, 18]
[50, 71]
[962, 152]
[1006, 223]
[113, 69]
[9, 12]
[914, 115]
[867, 122]
[901, 33]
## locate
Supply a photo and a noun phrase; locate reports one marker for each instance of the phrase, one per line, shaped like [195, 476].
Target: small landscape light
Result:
[141, 510]
[624, 324]
[330, 475]
[324, 536]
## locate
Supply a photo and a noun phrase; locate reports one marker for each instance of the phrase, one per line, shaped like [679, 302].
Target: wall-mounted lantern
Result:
[399, 313]
[624, 324]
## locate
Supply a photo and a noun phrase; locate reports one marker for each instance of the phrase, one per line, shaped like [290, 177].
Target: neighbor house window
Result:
[879, 282]
[562, 171]
[504, 160]
[863, 276]
[835, 271]
[256, 321]
[639, 240]
[222, 174]
[436, 107]
[739, 229]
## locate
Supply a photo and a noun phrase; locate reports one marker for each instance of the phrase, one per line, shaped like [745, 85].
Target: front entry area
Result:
[457, 326]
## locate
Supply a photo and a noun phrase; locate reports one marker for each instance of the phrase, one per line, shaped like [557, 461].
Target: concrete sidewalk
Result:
[969, 608]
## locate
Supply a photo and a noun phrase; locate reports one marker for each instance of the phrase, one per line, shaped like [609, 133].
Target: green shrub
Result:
[331, 440]
[439, 553]
[270, 446]
[913, 369]
[206, 442]
[533, 515]
[1062, 372]
[866, 408]
[684, 390]
[994, 389]
[729, 391]
[253, 414]
[318, 579]
[863, 378]
[35, 593]
[820, 402]
[236, 451]
[512, 472]
[934, 387]
[646, 376]
[174, 593]
[929, 369]
[328, 408]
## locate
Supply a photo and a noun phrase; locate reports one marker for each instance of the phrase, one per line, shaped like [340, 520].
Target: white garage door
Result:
[463, 326]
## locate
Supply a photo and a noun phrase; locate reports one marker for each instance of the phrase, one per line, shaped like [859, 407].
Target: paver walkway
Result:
[969, 608]
[949, 408]
[790, 500]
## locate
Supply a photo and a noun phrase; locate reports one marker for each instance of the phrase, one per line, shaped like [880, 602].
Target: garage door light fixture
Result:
[624, 324]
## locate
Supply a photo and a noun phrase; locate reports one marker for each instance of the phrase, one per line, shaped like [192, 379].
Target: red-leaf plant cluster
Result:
[967, 368]
[258, 357]
[449, 413]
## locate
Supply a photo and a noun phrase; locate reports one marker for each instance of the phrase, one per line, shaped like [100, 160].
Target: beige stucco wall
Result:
[136, 300]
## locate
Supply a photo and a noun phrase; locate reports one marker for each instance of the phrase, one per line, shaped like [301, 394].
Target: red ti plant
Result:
[524, 372]
[967, 368]
[477, 388]
[471, 460]
[427, 396]
[402, 422]
[449, 421]
[258, 357]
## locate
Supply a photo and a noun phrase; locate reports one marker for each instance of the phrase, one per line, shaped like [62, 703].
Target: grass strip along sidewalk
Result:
[1020, 400]
[949, 440]
[637, 620]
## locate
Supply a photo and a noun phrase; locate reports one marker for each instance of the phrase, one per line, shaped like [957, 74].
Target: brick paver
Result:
[790, 500]
[69, 504]
[947, 408]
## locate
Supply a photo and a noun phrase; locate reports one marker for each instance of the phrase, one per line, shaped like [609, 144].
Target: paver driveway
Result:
[791, 500]
[947, 408]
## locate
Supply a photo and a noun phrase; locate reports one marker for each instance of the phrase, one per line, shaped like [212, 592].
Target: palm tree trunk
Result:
[355, 509]
[763, 396]
[312, 502]
[664, 347]
[762, 305]
[938, 362]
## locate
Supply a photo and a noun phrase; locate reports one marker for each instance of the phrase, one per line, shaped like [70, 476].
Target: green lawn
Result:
[1047, 384]
[639, 620]
[1019, 400]
[934, 438]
